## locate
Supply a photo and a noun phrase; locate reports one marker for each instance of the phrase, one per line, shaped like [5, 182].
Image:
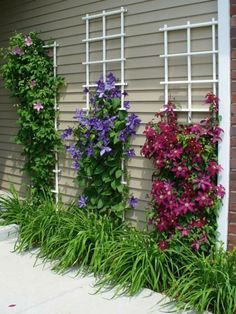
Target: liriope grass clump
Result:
[44, 223]
[83, 240]
[120, 256]
[207, 283]
[15, 210]
[135, 262]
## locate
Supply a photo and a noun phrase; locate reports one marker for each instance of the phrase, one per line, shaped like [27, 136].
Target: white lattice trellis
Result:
[56, 170]
[189, 54]
[104, 61]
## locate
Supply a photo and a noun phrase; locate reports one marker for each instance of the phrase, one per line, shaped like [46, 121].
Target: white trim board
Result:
[224, 111]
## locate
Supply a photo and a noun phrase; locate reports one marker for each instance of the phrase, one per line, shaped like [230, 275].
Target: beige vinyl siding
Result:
[61, 21]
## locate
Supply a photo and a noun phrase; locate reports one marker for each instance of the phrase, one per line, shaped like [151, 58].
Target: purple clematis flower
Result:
[110, 82]
[126, 105]
[82, 202]
[68, 132]
[105, 149]
[122, 136]
[133, 201]
[79, 114]
[76, 165]
[89, 151]
[132, 121]
[130, 153]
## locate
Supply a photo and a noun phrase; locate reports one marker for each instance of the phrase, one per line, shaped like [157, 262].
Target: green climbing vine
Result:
[28, 73]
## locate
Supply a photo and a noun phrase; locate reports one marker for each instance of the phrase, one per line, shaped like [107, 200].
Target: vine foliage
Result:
[185, 195]
[101, 140]
[28, 73]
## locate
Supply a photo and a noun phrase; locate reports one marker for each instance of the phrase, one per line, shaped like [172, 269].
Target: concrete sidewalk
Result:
[26, 288]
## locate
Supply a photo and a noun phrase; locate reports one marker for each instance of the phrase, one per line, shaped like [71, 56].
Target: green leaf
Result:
[120, 188]
[100, 204]
[118, 173]
[93, 200]
[106, 178]
[81, 182]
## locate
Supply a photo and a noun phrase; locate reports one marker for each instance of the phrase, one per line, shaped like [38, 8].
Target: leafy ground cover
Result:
[121, 256]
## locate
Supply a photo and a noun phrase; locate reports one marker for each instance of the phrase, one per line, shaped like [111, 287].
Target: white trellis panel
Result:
[189, 82]
[56, 170]
[104, 61]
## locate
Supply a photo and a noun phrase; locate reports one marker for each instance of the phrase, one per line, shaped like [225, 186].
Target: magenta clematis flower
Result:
[176, 153]
[195, 245]
[204, 200]
[149, 132]
[180, 170]
[163, 224]
[203, 182]
[28, 41]
[198, 223]
[203, 238]
[185, 232]
[38, 106]
[163, 245]
[213, 168]
[185, 206]
[210, 98]
[220, 191]
[159, 163]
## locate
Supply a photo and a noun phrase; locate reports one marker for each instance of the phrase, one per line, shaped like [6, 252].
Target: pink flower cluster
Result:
[185, 194]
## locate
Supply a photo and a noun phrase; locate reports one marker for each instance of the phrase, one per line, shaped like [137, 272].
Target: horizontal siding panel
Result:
[56, 7]
[12, 179]
[12, 170]
[10, 147]
[6, 186]
[73, 16]
[18, 164]
[15, 156]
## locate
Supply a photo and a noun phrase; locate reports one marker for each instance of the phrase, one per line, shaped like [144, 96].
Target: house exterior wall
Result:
[232, 209]
[61, 21]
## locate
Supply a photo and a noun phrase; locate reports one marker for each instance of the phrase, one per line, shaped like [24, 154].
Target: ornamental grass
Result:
[122, 257]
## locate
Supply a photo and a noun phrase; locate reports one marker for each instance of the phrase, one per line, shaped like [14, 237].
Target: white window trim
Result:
[224, 111]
